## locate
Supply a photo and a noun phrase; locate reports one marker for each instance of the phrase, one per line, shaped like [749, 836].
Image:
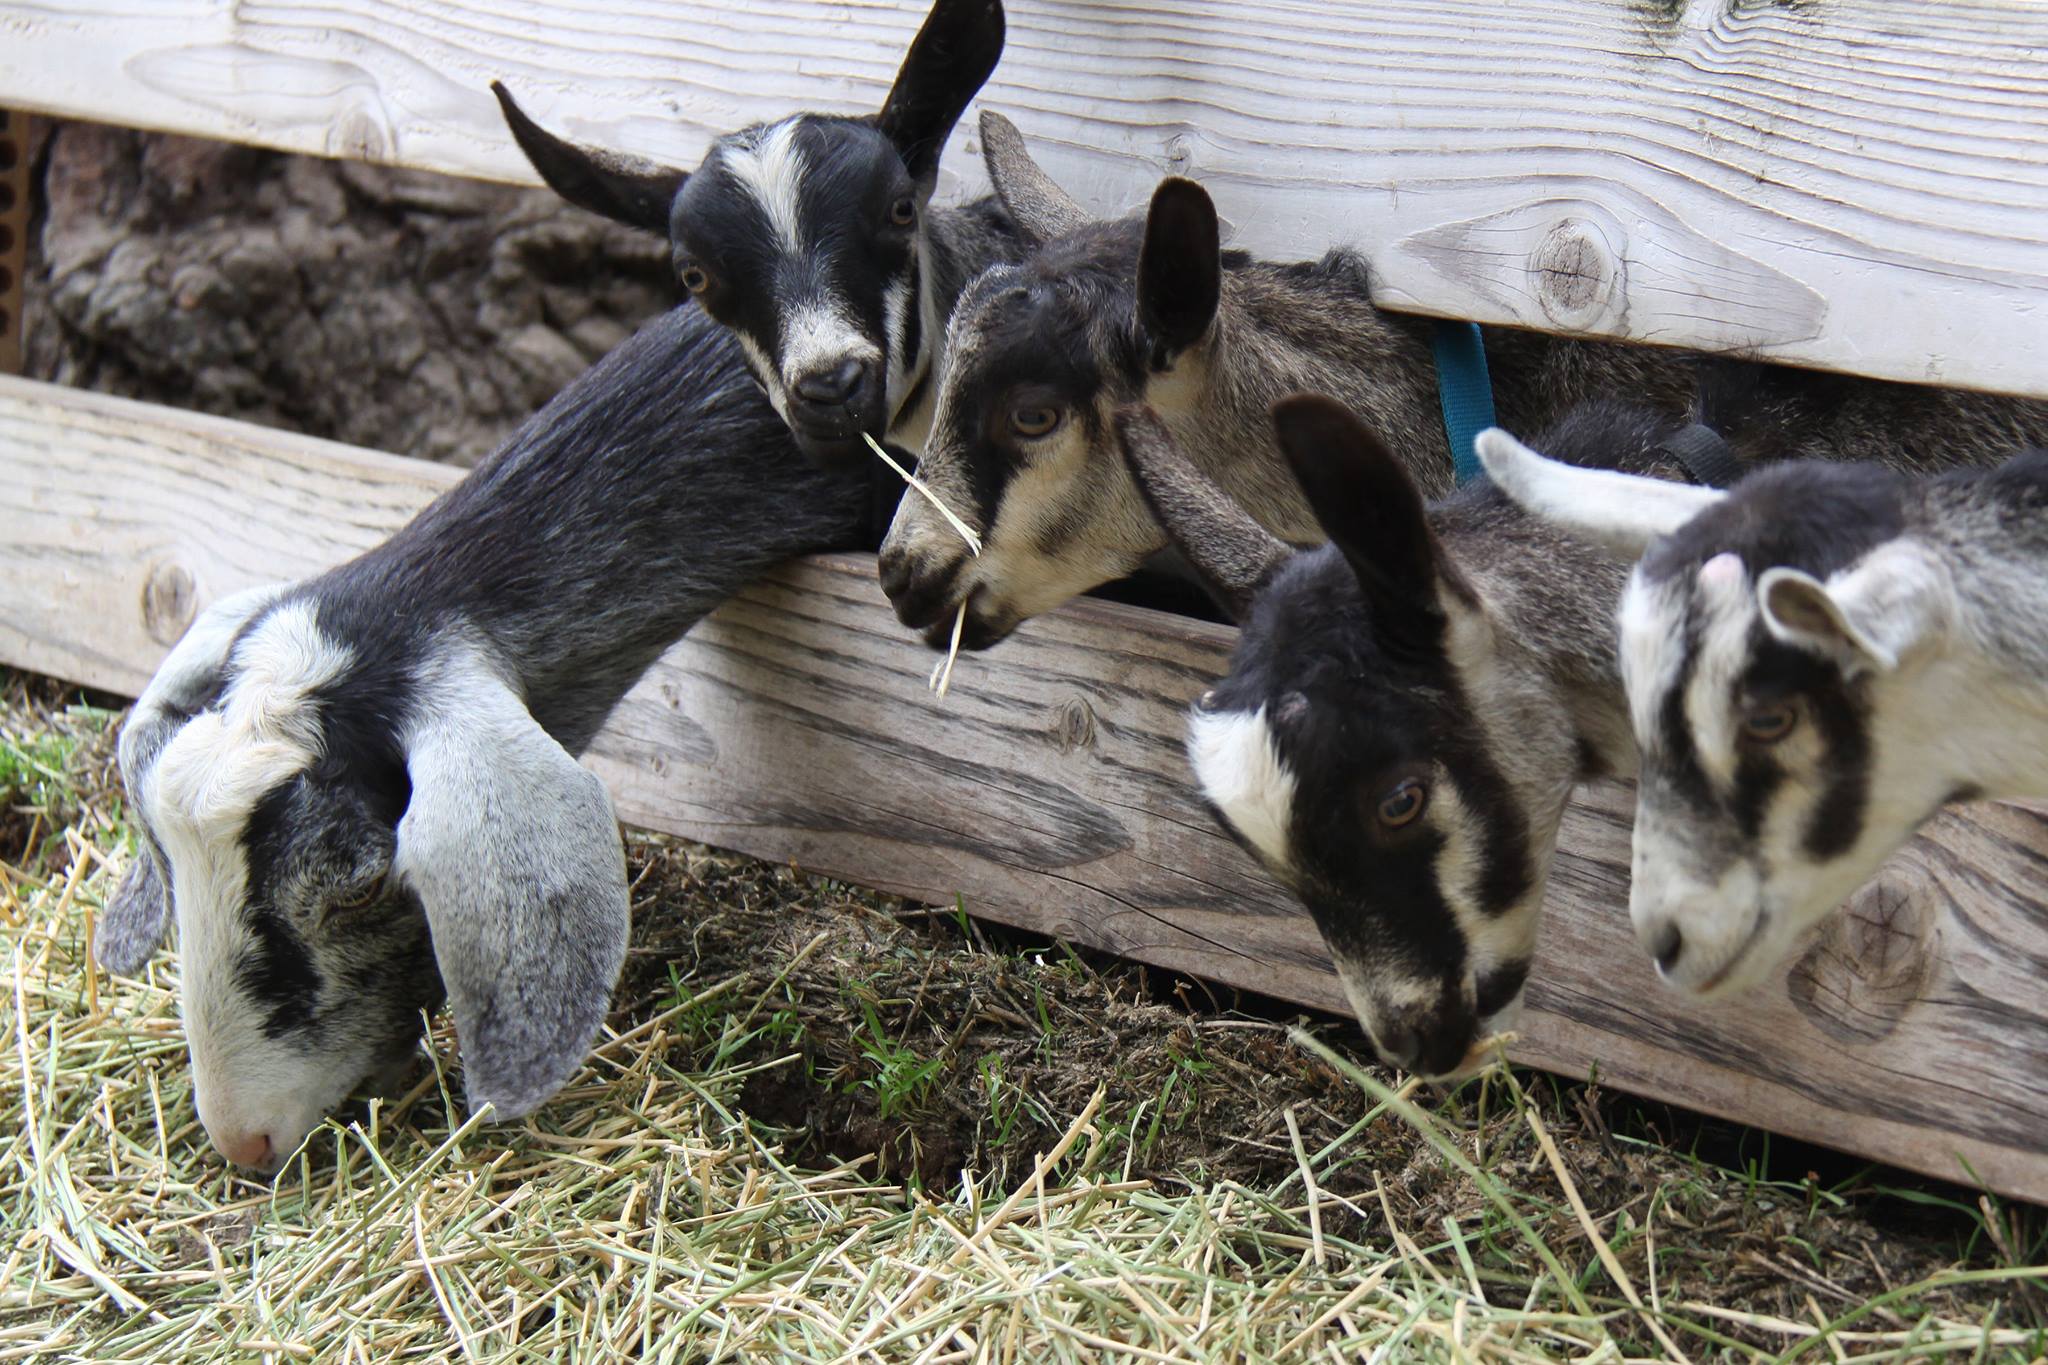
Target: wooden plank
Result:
[1861, 185]
[1049, 789]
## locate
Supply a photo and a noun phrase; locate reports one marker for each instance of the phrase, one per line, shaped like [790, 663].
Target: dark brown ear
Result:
[1040, 209]
[1370, 508]
[1180, 268]
[949, 61]
[1233, 553]
[626, 189]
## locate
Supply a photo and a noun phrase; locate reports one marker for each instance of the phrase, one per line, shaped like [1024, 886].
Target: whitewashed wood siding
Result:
[1855, 184]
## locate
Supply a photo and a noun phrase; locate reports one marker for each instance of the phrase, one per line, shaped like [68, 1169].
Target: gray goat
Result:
[360, 789]
[1816, 661]
[813, 238]
[1042, 353]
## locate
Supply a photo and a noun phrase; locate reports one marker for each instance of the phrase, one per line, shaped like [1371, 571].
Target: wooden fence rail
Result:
[1050, 791]
[1860, 185]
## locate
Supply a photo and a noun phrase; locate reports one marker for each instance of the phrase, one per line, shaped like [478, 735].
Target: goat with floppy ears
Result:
[359, 792]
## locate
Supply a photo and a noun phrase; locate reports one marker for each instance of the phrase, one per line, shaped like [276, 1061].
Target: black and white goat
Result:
[814, 239]
[1408, 707]
[1041, 353]
[360, 789]
[1816, 661]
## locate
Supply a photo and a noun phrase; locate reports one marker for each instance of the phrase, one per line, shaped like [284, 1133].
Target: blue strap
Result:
[1465, 391]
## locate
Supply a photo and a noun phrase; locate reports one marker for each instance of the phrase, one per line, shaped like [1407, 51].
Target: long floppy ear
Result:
[1620, 512]
[1180, 268]
[1040, 209]
[627, 189]
[1867, 618]
[134, 922]
[514, 854]
[1372, 511]
[949, 60]
[1233, 553]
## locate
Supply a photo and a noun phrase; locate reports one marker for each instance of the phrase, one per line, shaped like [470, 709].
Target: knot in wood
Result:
[1074, 726]
[1575, 274]
[359, 135]
[1871, 961]
[169, 600]
[1180, 159]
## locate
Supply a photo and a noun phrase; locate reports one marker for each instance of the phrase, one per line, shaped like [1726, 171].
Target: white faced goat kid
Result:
[1816, 662]
[360, 791]
[1408, 707]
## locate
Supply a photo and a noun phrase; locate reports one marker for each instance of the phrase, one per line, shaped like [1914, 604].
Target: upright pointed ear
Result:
[135, 921]
[1867, 618]
[1622, 513]
[949, 60]
[1372, 510]
[514, 854]
[626, 189]
[1233, 553]
[1040, 209]
[1180, 268]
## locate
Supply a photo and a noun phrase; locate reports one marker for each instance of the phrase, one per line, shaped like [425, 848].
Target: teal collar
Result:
[1465, 392]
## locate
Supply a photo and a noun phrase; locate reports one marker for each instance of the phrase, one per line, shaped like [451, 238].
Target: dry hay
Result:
[828, 1126]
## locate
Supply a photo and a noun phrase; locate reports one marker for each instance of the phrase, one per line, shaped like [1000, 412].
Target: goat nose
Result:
[892, 567]
[1666, 944]
[1399, 1045]
[827, 388]
[246, 1149]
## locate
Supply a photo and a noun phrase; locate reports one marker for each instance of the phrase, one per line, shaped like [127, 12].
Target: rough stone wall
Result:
[413, 313]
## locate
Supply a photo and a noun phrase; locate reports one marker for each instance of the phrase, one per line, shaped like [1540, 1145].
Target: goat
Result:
[1041, 353]
[1816, 661]
[359, 789]
[1408, 706]
[814, 240]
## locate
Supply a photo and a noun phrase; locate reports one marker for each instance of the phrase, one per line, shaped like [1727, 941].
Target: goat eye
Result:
[359, 897]
[1770, 724]
[694, 279]
[1034, 422]
[903, 212]
[1404, 804]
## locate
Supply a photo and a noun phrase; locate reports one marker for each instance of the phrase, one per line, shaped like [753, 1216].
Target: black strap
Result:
[1701, 452]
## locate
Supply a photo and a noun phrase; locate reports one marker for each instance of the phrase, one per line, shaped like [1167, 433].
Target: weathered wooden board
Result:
[1861, 185]
[1049, 790]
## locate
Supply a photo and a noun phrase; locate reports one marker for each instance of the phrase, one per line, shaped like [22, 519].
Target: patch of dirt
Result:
[419, 314]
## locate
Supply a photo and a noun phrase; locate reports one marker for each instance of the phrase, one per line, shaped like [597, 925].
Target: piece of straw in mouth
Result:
[1486, 1052]
[942, 672]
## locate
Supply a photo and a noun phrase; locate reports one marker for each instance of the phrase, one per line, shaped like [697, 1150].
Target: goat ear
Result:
[626, 189]
[1868, 618]
[1370, 508]
[1040, 209]
[136, 919]
[1180, 268]
[1233, 553]
[948, 62]
[514, 854]
[1622, 513]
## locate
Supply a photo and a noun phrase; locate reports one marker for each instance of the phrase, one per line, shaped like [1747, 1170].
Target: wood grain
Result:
[1860, 185]
[1049, 790]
